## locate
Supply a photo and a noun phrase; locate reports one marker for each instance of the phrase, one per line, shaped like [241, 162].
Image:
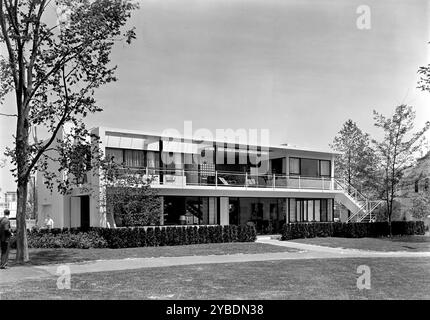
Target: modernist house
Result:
[207, 182]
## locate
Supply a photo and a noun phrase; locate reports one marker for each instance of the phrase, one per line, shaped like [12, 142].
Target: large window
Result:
[325, 168]
[294, 166]
[324, 217]
[266, 214]
[116, 154]
[134, 158]
[307, 210]
[310, 167]
[186, 210]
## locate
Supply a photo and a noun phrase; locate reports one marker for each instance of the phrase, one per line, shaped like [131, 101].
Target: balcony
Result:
[179, 178]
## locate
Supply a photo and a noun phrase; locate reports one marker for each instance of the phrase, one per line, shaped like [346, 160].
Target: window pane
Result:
[309, 167]
[292, 210]
[299, 210]
[317, 210]
[116, 154]
[294, 166]
[324, 210]
[329, 210]
[134, 158]
[310, 210]
[152, 159]
[325, 168]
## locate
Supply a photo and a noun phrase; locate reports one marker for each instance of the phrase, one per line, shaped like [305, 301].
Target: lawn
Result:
[404, 243]
[50, 256]
[391, 278]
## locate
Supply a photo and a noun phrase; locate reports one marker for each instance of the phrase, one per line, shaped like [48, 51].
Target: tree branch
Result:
[8, 44]
[8, 115]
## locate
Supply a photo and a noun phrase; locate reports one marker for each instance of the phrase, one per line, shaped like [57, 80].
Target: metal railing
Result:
[366, 206]
[183, 178]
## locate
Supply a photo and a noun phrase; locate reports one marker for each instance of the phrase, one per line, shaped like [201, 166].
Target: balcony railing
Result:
[186, 178]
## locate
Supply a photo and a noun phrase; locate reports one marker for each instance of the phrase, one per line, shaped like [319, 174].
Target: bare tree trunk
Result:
[21, 237]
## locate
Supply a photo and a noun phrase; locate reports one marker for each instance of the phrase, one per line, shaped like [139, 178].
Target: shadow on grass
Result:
[410, 239]
[46, 256]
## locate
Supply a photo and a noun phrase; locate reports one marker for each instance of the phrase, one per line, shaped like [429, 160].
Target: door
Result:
[85, 212]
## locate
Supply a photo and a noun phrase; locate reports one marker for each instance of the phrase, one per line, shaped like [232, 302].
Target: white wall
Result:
[75, 203]
[224, 211]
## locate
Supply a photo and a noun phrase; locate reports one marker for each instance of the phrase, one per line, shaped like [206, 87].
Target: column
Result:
[224, 212]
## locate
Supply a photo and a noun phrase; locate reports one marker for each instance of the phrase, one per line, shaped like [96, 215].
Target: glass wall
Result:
[266, 214]
[310, 210]
[309, 167]
[190, 210]
[134, 158]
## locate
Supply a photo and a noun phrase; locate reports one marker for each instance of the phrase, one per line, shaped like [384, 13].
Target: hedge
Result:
[138, 236]
[351, 230]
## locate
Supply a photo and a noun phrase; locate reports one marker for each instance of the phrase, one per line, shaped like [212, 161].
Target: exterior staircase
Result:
[359, 205]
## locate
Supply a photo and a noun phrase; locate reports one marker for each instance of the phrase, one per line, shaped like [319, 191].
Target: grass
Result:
[51, 256]
[391, 278]
[404, 243]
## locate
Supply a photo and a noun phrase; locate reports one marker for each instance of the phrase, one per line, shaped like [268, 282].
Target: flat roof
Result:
[190, 138]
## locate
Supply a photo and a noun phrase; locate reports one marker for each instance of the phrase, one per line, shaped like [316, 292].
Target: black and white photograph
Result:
[206, 158]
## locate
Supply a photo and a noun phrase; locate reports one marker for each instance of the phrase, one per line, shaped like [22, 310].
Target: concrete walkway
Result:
[306, 251]
[341, 252]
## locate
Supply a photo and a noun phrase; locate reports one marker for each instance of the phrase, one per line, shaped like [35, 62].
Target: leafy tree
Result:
[357, 161]
[396, 151]
[135, 206]
[53, 71]
[421, 205]
[424, 82]
[130, 199]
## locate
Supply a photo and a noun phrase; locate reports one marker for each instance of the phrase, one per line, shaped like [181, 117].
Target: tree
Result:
[421, 205]
[133, 207]
[357, 161]
[424, 82]
[130, 198]
[396, 151]
[53, 71]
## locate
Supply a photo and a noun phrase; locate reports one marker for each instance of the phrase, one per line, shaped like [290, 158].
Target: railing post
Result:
[322, 180]
[299, 183]
[183, 178]
[246, 179]
[273, 182]
[216, 179]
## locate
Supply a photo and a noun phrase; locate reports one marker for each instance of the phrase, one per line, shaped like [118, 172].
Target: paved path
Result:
[341, 252]
[306, 251]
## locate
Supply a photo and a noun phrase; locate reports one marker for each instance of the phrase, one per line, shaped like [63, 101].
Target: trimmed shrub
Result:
[150, 238]
[203, 234]
[66, 239]
[137, 236]
[350, 230]
[142, 237]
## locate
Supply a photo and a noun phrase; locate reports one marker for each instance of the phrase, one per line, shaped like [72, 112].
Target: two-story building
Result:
[211, 181]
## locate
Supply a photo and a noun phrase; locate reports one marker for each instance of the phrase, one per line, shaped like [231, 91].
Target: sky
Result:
[299, 68]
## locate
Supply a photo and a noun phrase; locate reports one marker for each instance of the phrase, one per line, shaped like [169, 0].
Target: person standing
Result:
[49, 223]
[5, 235]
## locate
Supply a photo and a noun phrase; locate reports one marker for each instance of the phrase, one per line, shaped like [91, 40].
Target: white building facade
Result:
[211, 182]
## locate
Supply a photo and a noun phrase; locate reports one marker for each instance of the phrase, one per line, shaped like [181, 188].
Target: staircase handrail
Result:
[351, 190]
[366, 206]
